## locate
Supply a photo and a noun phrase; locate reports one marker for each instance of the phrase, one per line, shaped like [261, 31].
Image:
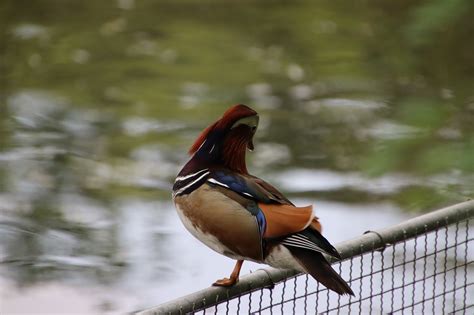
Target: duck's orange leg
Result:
[234, 276]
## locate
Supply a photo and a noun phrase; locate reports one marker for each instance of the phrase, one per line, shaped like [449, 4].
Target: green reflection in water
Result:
[101, 103]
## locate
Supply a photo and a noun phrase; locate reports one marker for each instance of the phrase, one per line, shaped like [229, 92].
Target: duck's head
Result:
[225, 141]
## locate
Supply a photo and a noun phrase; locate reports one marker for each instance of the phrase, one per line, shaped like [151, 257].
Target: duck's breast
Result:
[221, 223]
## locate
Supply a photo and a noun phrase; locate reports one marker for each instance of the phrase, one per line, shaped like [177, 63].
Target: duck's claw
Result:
[234, 277]
[226, 282]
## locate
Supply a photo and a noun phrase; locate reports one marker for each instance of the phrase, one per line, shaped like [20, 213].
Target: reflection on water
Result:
[98, 108]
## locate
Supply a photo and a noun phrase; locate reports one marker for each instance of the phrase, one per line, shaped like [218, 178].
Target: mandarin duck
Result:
[242, 216]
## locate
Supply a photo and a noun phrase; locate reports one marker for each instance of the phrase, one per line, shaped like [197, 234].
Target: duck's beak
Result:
[250, 145]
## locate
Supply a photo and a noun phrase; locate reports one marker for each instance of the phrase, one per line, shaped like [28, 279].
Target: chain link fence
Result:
[420, 266]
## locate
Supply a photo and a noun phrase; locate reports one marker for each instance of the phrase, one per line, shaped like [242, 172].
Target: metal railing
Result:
[422, 265]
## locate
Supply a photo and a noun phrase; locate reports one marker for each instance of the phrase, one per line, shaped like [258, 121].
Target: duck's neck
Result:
[217, 152]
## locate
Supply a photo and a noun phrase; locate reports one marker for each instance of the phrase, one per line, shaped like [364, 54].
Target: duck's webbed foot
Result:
[233, 279]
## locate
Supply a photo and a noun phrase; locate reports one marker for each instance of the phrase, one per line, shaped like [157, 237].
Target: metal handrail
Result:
[368, 242]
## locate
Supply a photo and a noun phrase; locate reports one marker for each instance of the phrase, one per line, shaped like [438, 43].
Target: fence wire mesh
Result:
[427, 272]
[432, 273]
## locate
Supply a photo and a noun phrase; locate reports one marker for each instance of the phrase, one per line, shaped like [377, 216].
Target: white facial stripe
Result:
[181, 178]
[251, 121]
[191, 183]
[212, 180]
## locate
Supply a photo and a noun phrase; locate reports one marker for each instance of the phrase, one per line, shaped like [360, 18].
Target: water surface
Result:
[367, 112]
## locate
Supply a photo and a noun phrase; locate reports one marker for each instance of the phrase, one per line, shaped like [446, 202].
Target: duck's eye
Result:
[254, 128]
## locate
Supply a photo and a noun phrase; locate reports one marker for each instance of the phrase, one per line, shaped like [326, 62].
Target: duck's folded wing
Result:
[275, 194]
[280, 217]
[311, 240]
[297, 226]
[285, 219]
[248, 186]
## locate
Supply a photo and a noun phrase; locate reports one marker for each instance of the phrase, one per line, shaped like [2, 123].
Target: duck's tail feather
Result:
[320, 269]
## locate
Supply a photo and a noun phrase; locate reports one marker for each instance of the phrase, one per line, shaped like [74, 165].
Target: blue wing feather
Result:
[235, 183]
[262, 222]
[248, 186]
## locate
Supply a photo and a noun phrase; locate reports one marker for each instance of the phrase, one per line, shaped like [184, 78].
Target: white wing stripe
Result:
[191, 183]
[303, 246]
[306, 246]
[212, 180]
[181, 178]
[302, 241]
[302, 238]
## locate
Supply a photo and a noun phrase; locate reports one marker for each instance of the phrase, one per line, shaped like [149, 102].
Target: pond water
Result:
[367, 112]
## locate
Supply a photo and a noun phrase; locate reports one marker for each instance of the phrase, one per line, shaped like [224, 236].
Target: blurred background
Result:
[367, 112]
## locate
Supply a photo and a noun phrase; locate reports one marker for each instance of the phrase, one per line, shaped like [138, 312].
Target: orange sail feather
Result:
[285, 219]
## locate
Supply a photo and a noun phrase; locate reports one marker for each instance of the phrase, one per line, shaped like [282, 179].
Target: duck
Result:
[242, 216]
